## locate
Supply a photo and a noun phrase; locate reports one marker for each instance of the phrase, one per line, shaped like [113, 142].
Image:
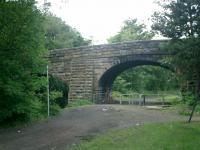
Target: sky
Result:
[100, 19]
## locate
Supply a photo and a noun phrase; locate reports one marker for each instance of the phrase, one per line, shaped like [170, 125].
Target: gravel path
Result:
[83, 123]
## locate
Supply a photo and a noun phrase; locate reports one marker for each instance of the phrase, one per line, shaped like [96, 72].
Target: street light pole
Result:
[47, 91]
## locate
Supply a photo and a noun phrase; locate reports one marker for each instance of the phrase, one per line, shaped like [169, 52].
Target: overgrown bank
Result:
[26, 35]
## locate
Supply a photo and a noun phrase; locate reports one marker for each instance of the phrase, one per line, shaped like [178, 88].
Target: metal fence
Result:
[131, 99]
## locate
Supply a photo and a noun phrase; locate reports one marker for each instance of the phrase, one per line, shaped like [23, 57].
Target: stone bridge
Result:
[91, 70]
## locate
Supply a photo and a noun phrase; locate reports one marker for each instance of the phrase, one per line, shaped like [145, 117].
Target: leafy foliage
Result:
[145, 78]
[186, 58]
[59, 91]
[25, 35]
[180, 21]
[60, 35]
[22, 48]
[131, 31]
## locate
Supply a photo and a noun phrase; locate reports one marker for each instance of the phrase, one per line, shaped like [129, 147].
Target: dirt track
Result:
[75, 125]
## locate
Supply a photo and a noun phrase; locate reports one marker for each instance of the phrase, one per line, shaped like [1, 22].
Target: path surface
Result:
[75, 125]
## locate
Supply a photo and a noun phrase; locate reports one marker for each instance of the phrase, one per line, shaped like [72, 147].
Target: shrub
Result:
[59, 91]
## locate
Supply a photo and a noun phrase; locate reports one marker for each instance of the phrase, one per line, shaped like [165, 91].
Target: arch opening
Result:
[107, 79]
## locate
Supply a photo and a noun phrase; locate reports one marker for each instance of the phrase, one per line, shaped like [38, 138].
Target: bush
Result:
[189, 98]
[116, 94]
[79, 102]
[59, 91]
[21, 59]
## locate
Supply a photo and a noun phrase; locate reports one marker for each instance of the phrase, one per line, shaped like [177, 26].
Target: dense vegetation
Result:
[57, 86]
[22, 48]
[60, 35]
[179, 21]
[132, 30]
[25, 35]
[146, 78]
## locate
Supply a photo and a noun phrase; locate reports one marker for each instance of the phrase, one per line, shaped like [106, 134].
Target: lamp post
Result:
[47, 90]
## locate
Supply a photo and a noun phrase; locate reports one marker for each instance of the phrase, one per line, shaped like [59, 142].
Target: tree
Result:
[21, 52]
[60, 35]
[180, 21]
[131, 31]
[145, 78]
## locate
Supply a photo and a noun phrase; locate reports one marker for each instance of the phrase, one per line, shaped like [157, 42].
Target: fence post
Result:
[140, 99]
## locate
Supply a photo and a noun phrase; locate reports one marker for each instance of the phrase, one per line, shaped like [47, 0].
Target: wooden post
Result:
[193, 109]
[196, 100]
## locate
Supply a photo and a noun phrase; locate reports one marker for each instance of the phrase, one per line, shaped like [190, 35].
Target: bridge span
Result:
[91, 70]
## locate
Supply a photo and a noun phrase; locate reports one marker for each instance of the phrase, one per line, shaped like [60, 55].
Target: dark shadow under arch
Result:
[107, 79]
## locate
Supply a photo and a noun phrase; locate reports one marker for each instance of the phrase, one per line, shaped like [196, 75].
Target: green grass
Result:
[169, 136]
[79, 102]
[174, 99]
[185, 110]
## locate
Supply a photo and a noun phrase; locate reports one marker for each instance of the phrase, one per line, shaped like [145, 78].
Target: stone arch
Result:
[107, 79]
[85, 68]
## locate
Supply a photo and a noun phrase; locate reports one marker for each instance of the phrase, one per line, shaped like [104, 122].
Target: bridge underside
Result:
[108, 78]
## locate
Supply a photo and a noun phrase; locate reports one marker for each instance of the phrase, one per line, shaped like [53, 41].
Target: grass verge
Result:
[168, 136]
[79, 102]
[185, 110]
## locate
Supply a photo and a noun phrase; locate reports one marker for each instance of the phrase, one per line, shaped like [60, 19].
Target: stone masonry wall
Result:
[82, 67]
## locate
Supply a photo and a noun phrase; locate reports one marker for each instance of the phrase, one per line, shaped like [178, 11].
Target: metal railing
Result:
[133, 98]
[142, 99]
